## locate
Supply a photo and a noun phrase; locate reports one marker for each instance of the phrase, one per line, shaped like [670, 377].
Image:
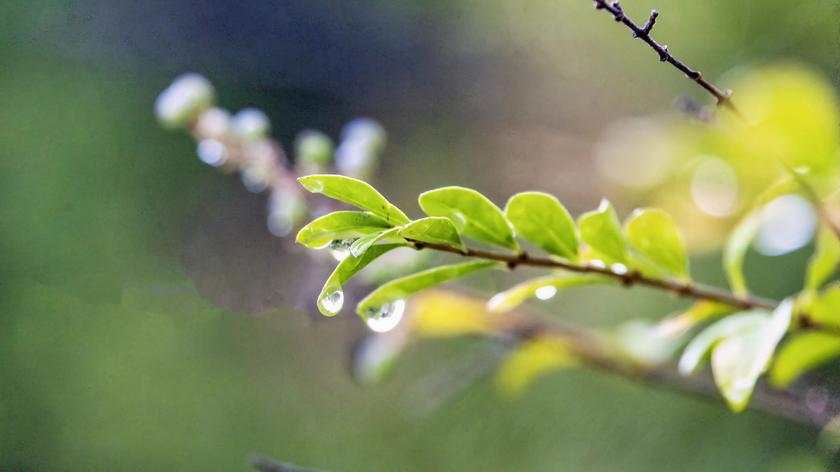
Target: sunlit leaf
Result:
[440, 313]
[354, 192]
[529, 361]
[388, 236]
[435, 230]
[331, 298]
[655, 236]
[801, 354]
[823, 264]
[514, 296]
[738, 361]
[825, 308]
[601, 230]
[696, 351]
[401, 288]
[736, 248]
[543, 220]
[677, 325]
[340, 225]
[472, 214]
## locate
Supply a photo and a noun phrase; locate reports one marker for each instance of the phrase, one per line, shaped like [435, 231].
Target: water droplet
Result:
[212, 152]
[386, 317]
[340, 248]
[598, 264]
[787, 224]
[619, 269]
[546, 292]
[332, 302]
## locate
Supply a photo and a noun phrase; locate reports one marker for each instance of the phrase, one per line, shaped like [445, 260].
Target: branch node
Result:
[650, 22]
[663, 53]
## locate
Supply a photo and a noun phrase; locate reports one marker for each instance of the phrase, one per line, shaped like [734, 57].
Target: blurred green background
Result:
[147, 319]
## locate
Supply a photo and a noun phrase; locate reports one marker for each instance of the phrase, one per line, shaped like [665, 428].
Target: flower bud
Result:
[212, 152]
[184, 100]
[313, 150]
[366, 131]
[251, 124]
[214, 123]
[286, 210]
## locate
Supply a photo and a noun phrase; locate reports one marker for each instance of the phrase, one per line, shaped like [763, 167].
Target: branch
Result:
[264, 464]
[629, 278]
[643, 32]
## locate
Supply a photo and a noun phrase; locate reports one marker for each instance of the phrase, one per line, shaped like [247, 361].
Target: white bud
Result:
[184, 100]
[367, 132]
[213, 123]
[251, 123]
[286, 210]
[212, 152]
[313, 149]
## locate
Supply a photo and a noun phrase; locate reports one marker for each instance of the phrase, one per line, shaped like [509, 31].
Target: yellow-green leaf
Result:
[736, 248]
[529, 361]
[472, 214]
[542, 220]
[514, 296]
[331, 298]
[823, 264]
[601, 231]
[354, 192]
[401, 288]
[340, 225]
[435, 230]
[801, 354]
[655, 236]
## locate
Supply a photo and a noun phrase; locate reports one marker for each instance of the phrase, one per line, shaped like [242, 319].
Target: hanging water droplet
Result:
[619, 269]
[386, 317]
[546, 292]
[332, 302]
[340, 248]
[598, 264]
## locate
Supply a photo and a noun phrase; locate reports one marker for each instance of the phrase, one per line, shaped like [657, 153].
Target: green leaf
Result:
[389, 236]
[401, 288]
[331, 298]
[601, 230]
[801, 354]
[531, 360]
[542, 220]
[823, 264]
[472, 214]
[514, 296]
[655, 236]
[736, 248]
[695, 352]
[354, 192]
[825, 308]
[435, 230]
[339, 225]
[738, 361]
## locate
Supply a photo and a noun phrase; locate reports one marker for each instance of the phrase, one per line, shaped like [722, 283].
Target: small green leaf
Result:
[435, 230]
[401, 288]
[339, 225]
[331, 298]
[389, 236]
[601, 230]
[695, 352]
[354, 192]
[736, 248]
[472, 214]
[825, 308]
[738, 361]
[823, 264]
[542, 220]
[514, 296]
[655, 236]
[801, 354]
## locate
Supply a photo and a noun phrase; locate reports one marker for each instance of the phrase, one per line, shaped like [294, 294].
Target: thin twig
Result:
[643, 32]
[629, 278]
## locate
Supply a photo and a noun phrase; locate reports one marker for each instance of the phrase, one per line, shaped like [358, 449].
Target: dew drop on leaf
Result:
[386, 317]
[333, 301]
[546, 292]
[340, 248]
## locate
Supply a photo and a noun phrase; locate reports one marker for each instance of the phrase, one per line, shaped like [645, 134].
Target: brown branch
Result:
[632, 277]
[643, 32]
